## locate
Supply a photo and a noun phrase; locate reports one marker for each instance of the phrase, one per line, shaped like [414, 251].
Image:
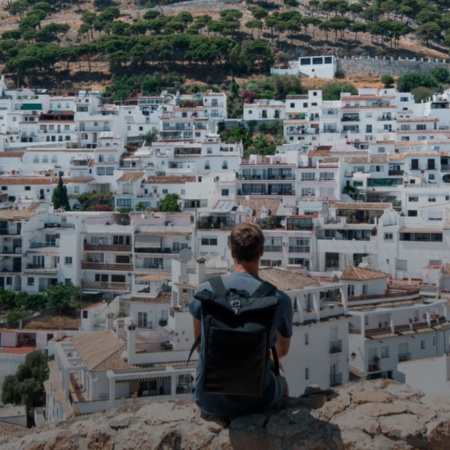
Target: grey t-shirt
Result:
[230, 405]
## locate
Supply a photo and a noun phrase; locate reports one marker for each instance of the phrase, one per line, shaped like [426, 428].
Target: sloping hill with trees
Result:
[62, 44]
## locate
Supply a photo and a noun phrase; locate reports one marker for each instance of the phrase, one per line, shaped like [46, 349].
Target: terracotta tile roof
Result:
[378, 159]
[11, 154]
[258, 204]
[14, 180]
[55, 385]
[331, 160]
[354, 273]
[356, 160]
[106, 345]
[113, 361]
[170, 180]
[319, 153]
[162, 298]
[396, 156]
[285, 280]
[16, 215]
[131, 176]
[366, 206]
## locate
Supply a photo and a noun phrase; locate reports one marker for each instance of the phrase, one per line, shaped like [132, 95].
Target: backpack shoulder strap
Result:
[264, 289]
[217, 285]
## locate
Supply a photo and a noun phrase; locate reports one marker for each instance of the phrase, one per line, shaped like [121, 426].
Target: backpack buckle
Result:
[235, 305]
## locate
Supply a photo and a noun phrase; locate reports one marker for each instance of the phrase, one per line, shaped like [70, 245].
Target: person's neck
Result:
[250, 267]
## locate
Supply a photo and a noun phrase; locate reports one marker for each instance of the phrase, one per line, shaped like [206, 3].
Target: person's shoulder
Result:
[282, 296]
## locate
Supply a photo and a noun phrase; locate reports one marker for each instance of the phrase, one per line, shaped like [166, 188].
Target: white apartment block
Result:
[391, 323]
[265, 110]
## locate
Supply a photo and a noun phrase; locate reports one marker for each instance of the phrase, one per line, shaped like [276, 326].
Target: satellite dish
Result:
[185, 255]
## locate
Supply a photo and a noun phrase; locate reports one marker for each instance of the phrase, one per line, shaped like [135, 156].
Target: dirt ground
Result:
[54, 323]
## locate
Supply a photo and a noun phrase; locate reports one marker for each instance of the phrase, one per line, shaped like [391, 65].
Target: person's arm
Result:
[282, 345]
[197, 331]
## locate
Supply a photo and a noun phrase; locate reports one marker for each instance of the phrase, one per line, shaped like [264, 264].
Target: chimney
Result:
[201, 269]
[120, 329]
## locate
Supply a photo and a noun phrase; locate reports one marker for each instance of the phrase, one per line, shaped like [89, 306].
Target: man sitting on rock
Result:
[239, 313]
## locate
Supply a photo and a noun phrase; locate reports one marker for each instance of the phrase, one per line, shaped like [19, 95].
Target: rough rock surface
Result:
[370, 415]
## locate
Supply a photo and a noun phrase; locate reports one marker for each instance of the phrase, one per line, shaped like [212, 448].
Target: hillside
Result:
[64, 45]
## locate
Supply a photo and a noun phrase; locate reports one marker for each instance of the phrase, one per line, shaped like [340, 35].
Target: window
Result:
[381, 149]
[434, 340]
[431, 177]
[292, 105]
[385, 352]
[401, 264]
[413, 199]
[308, 176]
[85, 314]
[431, 199]
[225, 192]
[110, 171]
[306, 373]
[422, 345]
[421, 127]
[101, 171]
[412, 213]
[209, 241]
[28, 188]
[30, 281]
[306, 339]
[165, 191]
[388, 236]
[327, 176]
[142, 319]
[68, 260]
[124, 202]
[225, 165]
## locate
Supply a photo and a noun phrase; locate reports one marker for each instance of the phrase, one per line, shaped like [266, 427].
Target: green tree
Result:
[169, 203]
[333, 90]
[150, 137]
[18, 7]
[428, 31]
[60, 198]
[387, 80]
[27, 385]
[62, 297]
[422, 93]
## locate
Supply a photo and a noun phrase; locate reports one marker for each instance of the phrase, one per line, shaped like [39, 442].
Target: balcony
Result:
[59, 225]
[391, 292]
[273, 248]
[107, 248]
[298, 249]
[404, 357]
[335, 379]
[34, 245]
[106, 286]
[106, 266]
[336, 346]
[41, 269]
[374, 367]
[157, 250]
[395, 172]
[6, 231]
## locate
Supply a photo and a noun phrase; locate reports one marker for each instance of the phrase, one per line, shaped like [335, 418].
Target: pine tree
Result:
[60, 198]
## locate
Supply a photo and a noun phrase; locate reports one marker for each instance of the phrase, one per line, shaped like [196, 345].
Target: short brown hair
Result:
[246, 241]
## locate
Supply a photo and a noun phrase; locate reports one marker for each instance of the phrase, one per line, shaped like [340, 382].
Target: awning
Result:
[420, 230]
[155, 277]
[147, 241]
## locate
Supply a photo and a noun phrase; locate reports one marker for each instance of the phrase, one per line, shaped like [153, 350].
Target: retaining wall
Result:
[388, 65]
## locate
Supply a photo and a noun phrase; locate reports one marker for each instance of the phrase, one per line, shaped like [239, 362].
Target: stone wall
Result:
[388, 65]
[369, 415]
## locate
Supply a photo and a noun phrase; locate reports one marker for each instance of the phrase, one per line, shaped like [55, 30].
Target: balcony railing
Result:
[107, 248]
[404, 357]
[59, 225]
[273, 248]
[298, 249]
[336, 346]
[106, 286]
[390, 293]
[374, 367]
[43, 244]
[107, 266]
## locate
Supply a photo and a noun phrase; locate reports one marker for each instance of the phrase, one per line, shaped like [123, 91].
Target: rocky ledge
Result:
[370, 415]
